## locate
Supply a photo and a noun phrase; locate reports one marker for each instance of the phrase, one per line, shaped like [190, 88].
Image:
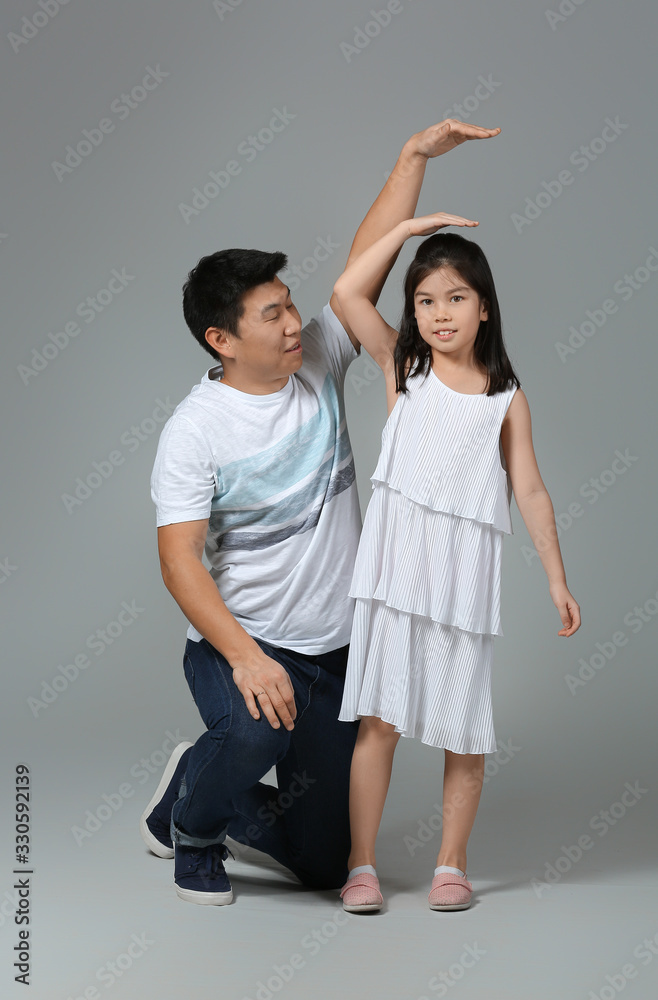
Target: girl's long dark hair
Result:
[413, 356]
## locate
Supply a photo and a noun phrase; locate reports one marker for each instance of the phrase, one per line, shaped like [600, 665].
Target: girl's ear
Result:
[484, 309]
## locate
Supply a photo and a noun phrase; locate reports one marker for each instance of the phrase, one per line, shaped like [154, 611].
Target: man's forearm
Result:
[196, 594]
[358, 277]
[396, 202]
[398, 198]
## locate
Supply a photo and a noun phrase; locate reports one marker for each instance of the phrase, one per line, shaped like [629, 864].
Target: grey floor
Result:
[92, 899]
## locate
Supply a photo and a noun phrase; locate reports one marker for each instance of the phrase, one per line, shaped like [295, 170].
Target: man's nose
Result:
[293, 326]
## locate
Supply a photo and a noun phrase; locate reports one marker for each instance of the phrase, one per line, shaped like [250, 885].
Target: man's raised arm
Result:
[396, 202]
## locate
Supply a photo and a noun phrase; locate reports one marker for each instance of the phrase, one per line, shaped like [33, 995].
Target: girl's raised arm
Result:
[353, 287]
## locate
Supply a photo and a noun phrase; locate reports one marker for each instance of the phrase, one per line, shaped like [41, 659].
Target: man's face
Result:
[268, 348]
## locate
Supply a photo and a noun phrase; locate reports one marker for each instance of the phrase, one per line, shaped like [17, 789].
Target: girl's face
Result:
[448, 313]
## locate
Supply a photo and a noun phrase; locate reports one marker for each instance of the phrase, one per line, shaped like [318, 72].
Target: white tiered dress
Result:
[427, 575]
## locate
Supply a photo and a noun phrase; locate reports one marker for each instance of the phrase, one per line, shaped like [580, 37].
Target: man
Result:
[255, 468]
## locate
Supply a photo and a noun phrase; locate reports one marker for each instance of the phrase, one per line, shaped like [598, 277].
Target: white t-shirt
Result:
[275, 476]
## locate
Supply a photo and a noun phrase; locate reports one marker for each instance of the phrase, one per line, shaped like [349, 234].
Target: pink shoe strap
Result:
[363, 878]
[448, 878]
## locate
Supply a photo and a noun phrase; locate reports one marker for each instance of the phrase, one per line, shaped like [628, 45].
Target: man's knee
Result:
[252, 740]
[327, 877]
[323, 864]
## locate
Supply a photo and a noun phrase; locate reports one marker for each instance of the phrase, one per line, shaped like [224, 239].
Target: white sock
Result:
[362, 868]
[447, 868]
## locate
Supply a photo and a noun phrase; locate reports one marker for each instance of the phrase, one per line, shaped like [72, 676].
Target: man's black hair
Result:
[214, 290]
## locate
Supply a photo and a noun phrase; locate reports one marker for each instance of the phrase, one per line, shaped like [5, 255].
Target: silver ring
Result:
[259, 693]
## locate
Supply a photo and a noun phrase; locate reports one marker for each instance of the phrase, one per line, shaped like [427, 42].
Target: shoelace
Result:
[216, 859]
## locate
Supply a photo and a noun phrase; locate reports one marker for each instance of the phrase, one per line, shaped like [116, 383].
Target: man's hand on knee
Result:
[265, 684]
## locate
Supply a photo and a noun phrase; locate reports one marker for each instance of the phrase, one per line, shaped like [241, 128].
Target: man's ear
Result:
[221, 341]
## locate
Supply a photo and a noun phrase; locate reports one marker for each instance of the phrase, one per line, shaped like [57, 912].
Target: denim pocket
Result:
[188, 670]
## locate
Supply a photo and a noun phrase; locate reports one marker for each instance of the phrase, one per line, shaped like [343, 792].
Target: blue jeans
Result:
[304, 823]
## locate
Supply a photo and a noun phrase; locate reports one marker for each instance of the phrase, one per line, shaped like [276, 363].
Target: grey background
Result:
[67, 574]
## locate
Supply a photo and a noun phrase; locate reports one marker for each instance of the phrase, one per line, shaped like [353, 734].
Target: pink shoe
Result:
[361, 894]
[450, 892]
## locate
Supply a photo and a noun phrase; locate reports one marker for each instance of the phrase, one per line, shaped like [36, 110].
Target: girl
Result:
[427, 575]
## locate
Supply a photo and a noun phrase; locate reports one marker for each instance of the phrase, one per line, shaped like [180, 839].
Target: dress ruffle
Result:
[435, 564]
[430, 681]
[458, 466]
[427, 577]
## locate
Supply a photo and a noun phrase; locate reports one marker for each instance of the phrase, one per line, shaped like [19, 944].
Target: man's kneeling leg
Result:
[231, 757]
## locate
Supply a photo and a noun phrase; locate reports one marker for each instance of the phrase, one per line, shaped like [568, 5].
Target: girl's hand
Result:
[568, 608]
[425, 225]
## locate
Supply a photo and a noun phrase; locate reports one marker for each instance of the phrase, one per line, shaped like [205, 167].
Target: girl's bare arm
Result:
[397, 201]
[536, 507]
[354, 287]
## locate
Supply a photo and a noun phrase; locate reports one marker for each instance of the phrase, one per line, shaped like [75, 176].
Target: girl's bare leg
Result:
[370, 775]
[463, 777]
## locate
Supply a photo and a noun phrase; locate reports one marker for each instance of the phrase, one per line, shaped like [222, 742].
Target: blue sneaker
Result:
[155, 821]
[200, 876]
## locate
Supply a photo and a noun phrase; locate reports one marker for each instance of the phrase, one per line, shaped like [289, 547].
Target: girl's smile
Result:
[444, 307]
